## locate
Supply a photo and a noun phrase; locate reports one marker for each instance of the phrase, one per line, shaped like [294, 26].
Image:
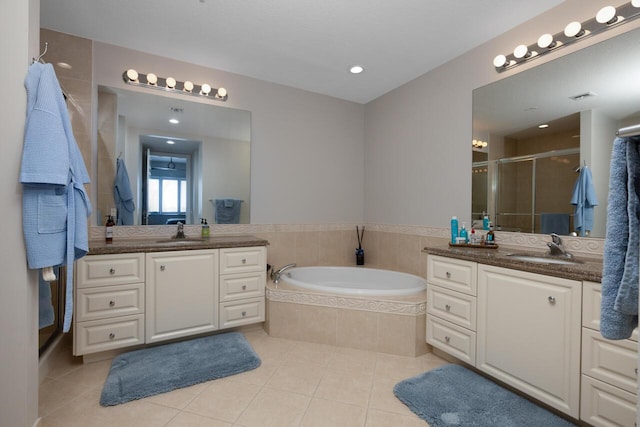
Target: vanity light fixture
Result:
[170, 84]
[476, 143]
[606, 18]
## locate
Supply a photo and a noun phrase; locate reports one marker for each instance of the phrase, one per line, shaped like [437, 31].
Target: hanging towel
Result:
[55, 204]
[584, 198]
[227, 211]
[554, 223]
[45, 308]
[619, 315]
[122, 195]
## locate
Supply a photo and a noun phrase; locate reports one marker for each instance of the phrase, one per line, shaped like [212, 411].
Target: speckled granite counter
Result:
[589, 269]
[162, 244]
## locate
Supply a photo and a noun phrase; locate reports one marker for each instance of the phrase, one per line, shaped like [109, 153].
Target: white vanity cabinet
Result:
[182, 293]
[529, 334]
[109, 302]
[451, 306]
[609, 369]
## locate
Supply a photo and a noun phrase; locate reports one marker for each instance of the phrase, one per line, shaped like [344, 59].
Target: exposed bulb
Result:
[222, 92]
[152, 79]
[500, 61]
[573, 29]
[607, 15]
[205, 89]
[546, 41]
[188, 86]
[132, 75]
[521, 51]
[171, 82]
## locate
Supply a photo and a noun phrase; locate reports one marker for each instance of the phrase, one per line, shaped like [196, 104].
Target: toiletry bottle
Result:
[454, 229]
[491, 237]
[473, 238]
[485, 222]
[205, 228]
[463, 232]
[108, 233]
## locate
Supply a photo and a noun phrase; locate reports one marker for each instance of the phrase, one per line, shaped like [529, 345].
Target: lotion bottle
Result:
[463, 232]
[108, 232]
[454, 229]
[205, 228]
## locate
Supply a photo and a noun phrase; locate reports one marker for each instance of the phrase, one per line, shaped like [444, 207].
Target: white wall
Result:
[418, 137]
[18, 288]
[306, 153]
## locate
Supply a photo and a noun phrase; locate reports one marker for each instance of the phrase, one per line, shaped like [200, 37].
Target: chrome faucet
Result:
[275, 274]
[180, 232]
[556, 248]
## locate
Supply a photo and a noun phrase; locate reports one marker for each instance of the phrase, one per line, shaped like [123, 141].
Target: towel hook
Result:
[39, 58]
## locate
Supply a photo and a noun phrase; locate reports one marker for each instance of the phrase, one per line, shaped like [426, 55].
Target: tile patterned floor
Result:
[298, 384]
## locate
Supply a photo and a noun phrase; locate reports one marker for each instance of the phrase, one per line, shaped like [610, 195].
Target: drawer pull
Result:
[112, 336]
[244, 261]
[112, 271]
[244, 287]
[162, 268]
[636, 371]
[244, 313]
[447, 339]
[552, 300]
[447, 307]
[448, 274]
[112, 303]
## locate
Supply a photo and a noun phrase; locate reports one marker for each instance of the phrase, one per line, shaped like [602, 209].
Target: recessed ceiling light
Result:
[174, 121]
[543, 126]
[64, 65]
[170, 142]
[356, 69]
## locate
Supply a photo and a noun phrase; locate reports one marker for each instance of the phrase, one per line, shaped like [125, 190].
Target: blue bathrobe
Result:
[584, 198]
[53, 174]
[123, 195]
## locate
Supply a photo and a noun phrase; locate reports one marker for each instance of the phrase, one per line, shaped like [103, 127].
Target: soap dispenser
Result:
[205, 228]
[464, 233]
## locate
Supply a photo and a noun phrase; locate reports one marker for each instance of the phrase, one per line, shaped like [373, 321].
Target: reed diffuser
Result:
[359, 250]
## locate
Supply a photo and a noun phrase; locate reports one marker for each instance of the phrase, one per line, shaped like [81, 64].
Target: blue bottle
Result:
[454, 229]
[485, 223]
[463, 233]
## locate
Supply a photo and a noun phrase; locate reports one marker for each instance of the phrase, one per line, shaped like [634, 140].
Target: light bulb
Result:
[356, 69]
[546, 41]
[521, 51]
[635, 3]
[573, 29]
[171, 82]
[152, 79]
[188, 86]
[205, 89]
[222, 92]
[607, 15]
[132, 75]
[499, 61]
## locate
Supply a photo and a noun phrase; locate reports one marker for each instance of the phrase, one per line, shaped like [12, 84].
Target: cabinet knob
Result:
[244, 261]
[244, 313]
[552, 300]
[448, 274]
[112, 336]
[447, 339]
[447, 307]
[162, 268]
[112, 271]
[112, 303]
[244, 287]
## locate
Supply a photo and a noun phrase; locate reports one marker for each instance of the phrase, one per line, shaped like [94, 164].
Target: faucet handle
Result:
[556, 239]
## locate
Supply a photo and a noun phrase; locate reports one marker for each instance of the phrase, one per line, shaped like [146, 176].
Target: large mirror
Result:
[179, 160]
[524, 177]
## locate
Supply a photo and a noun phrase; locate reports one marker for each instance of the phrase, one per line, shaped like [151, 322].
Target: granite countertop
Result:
[587, 269]
[162, 244]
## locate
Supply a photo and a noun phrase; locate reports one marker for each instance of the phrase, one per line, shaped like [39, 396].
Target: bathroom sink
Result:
[182, 241]
[541, 259]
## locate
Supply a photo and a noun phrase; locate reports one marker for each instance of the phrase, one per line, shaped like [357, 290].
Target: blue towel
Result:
[618, 314]
[55, 205]
[554, 223]
[122, 195]
[45, 308]
[584, 198]
[227, 211]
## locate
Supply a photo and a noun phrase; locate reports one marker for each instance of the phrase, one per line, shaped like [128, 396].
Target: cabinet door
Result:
[182, 294]
[529, 334]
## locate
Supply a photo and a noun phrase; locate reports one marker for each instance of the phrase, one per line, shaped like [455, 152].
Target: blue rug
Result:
[452, 395]
[156, 370]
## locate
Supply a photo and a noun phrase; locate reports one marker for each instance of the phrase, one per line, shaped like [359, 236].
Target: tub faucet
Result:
[180, 232]
[275, 274]
[556, 248]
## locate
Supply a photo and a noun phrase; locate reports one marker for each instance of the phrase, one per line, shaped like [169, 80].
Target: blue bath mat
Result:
[156, 370]
[452, 395]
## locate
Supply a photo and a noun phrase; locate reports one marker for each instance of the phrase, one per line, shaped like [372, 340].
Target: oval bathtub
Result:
[354, 281]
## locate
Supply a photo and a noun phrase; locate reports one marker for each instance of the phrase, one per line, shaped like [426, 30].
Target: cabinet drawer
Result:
[453, 306]
[454, 274]
[458, 342]
[240, 286]
[591, 300]
[103, 270]
[107, 334]
[605, 405]
[614, 362]
[243, 260]
[109, 301]
[241, 312]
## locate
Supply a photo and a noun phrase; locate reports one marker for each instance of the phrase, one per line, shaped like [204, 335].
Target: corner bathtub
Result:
[354, 281]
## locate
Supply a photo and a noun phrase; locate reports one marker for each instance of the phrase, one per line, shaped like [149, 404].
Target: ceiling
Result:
[306, 44]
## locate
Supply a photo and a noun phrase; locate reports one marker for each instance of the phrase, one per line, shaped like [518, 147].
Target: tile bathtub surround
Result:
[298, 383]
